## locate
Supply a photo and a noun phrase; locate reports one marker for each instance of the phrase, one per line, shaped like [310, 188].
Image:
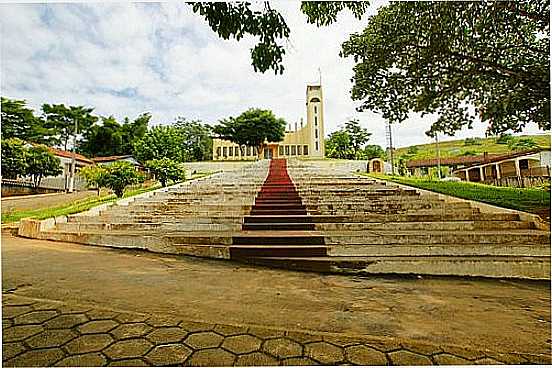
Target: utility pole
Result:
[73, 160]
[438, 155]
[389, 136]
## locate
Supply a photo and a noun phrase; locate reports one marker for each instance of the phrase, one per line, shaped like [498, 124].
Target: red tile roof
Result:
[459, 160]
[67, 154]
[110, 158]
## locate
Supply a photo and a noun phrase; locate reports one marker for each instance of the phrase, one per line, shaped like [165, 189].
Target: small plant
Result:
[165, 169]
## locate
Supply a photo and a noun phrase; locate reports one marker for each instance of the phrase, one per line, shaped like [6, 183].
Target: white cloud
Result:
[169, 62]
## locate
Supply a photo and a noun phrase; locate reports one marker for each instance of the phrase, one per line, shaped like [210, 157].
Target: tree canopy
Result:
[251, 128]
[14, 158]
[445, 57]
[41, 163]
[347, 142]
[19, 121]
[62, 119]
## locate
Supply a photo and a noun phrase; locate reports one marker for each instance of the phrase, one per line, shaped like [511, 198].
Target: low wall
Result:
[519, 182]
[18, 189]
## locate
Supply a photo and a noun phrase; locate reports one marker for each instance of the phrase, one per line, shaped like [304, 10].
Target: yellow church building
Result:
[299, 141]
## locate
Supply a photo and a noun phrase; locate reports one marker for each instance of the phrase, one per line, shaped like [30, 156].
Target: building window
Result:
[218, 151]
[224, 151]
[315, 109]
[248, 152]
[287, 150]
[298, 150]
[305, 150]
[316, 120]
[230, 151]
[316, 133]
[293, 151]
[236, 151]
[316, 145]
[280, 150]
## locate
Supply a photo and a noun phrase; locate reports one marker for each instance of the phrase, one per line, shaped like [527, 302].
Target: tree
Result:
[443, 57]
[62, 120]
[159, 142]
[239, 19]
[133, 131]
[251, 128]
[165, 169]
[372, 151]
[14, 158]
[118, 175]
[103, 140]
[18, 121]
[198, 143]
[94, 176]
[338, 145]
[40, 163]
[358, 135]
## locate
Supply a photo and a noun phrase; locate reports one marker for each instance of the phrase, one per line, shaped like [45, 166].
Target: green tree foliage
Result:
[103, 140]
[40, 163]
[371, 151]
[473, 142]
[412, 150]
[159, 142]
[165, 169]
[14, 158]
[133, 131]
[117, 176]
[522, 144]
[251, 128]
[18, 121]
[62, 119]
[198, 144]
[240, 19]
[94, 176]
[442, 57]
[504, 138]
[338, 145]
[358, 135]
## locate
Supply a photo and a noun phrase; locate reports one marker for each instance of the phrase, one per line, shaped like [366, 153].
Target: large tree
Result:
[198, 143]
[102, 140]
[62, 119]
[14, 158]
[251, 128]
[132, 131]
[445, 57]
[19, 121]
[358, 135]
[338, 145]
[41, 163]
[159, 142]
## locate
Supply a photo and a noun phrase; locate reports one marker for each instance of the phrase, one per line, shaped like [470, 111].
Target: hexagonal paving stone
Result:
[17, 333]
[128, 363]
[72, 309]
[242, 344]
[202, 340]
[166, 335]
[363, 355]
[283, 348]
[36, 358]
[465, 353]
[89, 343]
[50, 339]
[100, 326]
[299, 361]
[131, 330]
[11, 349]
[130, 318]
[171, 354]
[7, 322]
[265, 333]
[99, 314]
[255, 359]
[343, 341]
[324, 352]
[511, 358]
[230, 330]
[66, 321]
[84, 360]
[163, 321]
[421, 348]
[403, 357]
[191, 326]
[125, 349]
[14, 311]
[36, 317]
[14, 300]
[211, 357]
[302, 337]
[447, 359]
[488, 361]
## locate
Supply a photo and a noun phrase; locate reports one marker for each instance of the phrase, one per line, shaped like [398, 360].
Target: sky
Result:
[127, 58]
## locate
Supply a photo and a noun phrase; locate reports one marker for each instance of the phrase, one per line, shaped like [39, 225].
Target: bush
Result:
[165, 169]
[469, 153]
[504, 139]
[412, 150]
[116, 176]
[522, 144]
[473, 142]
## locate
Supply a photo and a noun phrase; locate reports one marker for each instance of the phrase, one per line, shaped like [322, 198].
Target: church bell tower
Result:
[315, 120]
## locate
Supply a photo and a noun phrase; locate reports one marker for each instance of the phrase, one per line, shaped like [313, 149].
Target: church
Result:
[305, 140]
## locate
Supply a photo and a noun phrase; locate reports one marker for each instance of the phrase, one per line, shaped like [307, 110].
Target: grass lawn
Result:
[523, 199]
[80, 205]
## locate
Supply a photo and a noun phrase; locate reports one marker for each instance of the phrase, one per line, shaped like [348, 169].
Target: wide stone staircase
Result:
[300, 215]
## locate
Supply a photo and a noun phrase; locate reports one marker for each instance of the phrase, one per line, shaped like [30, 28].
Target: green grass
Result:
[79, 205]
[457, 148]
[522, 199]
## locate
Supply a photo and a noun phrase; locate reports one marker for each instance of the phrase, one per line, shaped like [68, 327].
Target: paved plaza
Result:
[75, 305]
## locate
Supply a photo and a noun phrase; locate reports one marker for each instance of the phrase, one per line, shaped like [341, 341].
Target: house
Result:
[531, 163]
[421, 167]
[106, 160]
[61, 182]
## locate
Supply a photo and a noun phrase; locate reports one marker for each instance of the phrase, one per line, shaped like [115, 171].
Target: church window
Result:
[306, 150]
[316, 120]
[236, 151]
[298, 150]
[280, 150]
[287, 150]
[316, 133]
[248, 150]
[230, 151]
[293, 152]
[218, 151]
[317, 145]
[225, 151]
[315, 110]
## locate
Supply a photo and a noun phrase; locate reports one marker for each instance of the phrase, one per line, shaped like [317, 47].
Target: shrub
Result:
[522, 144]
[165, 169]
[473, 142]
[504, 139]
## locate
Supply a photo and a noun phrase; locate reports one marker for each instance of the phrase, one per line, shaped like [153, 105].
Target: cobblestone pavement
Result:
[39, 332]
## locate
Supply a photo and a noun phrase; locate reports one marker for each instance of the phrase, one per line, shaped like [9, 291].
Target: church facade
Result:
[303, 140]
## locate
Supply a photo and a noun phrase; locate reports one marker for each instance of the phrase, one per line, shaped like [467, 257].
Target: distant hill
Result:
[460, 146]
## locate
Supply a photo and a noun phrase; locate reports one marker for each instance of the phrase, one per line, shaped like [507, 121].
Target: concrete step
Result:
[255, 238]
[428, 225]
[537, 268]
[149, 226]
[247, 251]
[278, 226]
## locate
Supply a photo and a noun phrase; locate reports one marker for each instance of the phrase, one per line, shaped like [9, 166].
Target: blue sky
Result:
[125, 59]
